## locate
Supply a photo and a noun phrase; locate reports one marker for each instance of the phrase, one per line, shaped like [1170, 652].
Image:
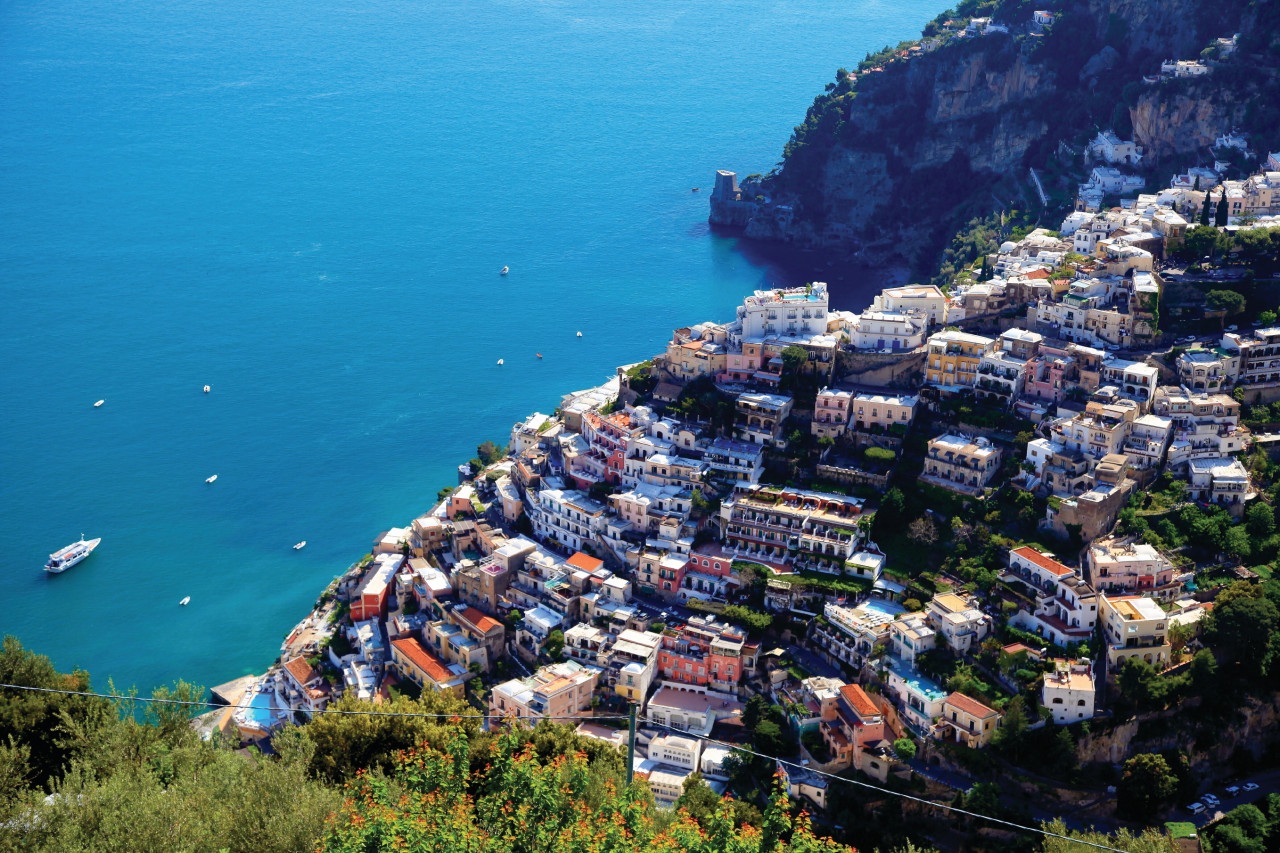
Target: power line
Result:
[218, 705]
[881, 790]
[858, 782]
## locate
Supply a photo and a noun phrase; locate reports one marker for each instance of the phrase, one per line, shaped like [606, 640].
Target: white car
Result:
[1232, 328]
[1249, 786]
[1233, 790]
[1211, 801]
[1188, 339]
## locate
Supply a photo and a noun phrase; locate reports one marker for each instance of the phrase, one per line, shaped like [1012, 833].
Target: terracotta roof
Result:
[970, 706]
[859, 701]
[1031, 555]
[1037, 274]
[484, 624]
[301, 670]
[581, 561]
[418, 655]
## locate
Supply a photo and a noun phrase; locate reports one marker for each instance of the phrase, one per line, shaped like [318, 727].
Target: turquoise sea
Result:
[305, 205]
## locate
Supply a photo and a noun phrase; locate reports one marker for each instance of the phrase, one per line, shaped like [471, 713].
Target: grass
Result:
[1180, 829]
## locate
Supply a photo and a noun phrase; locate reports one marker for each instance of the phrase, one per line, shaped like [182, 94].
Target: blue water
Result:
[305, 206]
[260, 710]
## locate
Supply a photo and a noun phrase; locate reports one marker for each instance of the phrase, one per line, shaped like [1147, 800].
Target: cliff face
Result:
[889, 160]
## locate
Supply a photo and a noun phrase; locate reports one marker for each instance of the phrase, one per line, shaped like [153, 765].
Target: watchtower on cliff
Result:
[726, 188]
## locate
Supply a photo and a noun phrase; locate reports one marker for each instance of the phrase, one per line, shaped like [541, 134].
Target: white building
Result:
[927, 300]
[784, 311]
[892, 330]
[1223, 481]
[567, 516]
[1112, 149]
[1069, 692]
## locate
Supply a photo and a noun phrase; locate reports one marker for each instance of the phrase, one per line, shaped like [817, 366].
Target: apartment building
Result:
[953, 358]
[1221, 480]
[704, 653]
[1001, 377]
[1129, 565]
[831, 413]
[1069, 692]
[961, 464]
[1066, 607]
[885, 410]
[556, 690]
[734, 460]
[911, 635]
[1134, 626]
[370, 598]
[959, 620]
[784, 311]
[567, 516]
[967, 721]
[760, 418]
[851, 726]
[791, 525]
[851, 633]
[414, 661]
[887, 330]
[925, 300]
[1203, 426]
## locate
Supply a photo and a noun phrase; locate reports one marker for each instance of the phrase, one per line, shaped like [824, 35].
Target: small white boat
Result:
[504, 271]
[300, 545]
[206, 389]
[184, 601]
[211, 479]
[99, 403]
[579, 334]
[500, 361]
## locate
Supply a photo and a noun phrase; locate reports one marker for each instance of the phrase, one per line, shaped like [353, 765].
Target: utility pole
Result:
[631, 744]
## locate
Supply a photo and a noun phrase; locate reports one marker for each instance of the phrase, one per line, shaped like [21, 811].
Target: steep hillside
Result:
[891, 157]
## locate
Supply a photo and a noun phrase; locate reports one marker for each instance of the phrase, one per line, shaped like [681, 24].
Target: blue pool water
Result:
[305, 205]
[260, 711]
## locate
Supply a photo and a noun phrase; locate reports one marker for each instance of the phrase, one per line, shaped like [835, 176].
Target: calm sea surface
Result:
[305, 205]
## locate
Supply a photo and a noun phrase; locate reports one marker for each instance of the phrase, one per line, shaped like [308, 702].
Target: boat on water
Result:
[504, 271]
[538, 354]
[579, 334]
[206, 389]
[500, 361]
[300, 545]
[211, 479]
[184, 601]
[65, 558]
[99, 403]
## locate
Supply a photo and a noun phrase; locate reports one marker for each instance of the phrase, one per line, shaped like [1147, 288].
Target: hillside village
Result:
[876, 540]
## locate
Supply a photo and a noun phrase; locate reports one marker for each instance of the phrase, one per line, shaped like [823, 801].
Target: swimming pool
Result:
[260, 714]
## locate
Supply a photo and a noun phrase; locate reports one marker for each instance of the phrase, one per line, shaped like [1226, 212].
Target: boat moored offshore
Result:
[65, 558]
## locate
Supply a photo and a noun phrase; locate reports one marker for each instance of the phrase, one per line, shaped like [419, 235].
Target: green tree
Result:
[1225, 300]
[349, 742]
[1204, 211]
[555, 644]
[1238, 543]
[904, 748]
[1147, 841]
[1267, 318]
[1222, 215]
[490, 453]
[1145, 784]
[1241, 627]
[1260, 519]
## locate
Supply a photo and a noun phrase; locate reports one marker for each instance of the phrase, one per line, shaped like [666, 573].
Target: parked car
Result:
[1232, 328]
[1249, 786]
[1211, 800]
[1233, 790]
[1196, 808]
[1188, 339]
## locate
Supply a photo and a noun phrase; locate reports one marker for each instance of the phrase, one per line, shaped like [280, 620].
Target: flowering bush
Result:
[512, 802]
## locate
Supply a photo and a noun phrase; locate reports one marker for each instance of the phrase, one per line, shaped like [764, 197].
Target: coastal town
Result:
[747, 526]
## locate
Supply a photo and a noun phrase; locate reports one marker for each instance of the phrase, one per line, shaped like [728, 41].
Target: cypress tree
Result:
[1204, 211]
[1196, 188]
[1221, 215]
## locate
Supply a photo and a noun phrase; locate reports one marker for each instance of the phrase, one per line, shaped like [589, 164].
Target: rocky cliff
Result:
[893, 156]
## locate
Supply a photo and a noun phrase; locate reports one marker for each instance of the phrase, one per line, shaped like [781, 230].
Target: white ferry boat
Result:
[67, 557]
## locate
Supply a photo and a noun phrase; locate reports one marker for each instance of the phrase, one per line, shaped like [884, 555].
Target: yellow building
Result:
[953, 358]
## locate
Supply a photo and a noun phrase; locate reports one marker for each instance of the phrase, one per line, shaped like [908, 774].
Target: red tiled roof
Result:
[484, 624]
[859, 701]
[970, 706]
[581, 561]
[1031, 555]
[1036, 274]
[418, 655]
[301, 670]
